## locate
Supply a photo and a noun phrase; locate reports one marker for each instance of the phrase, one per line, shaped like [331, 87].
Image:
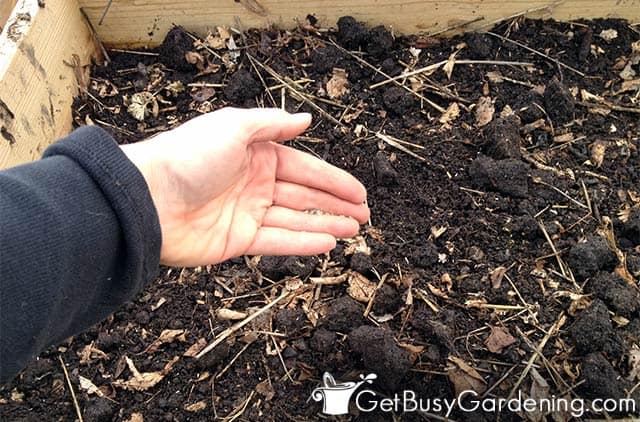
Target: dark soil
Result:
[519, 226]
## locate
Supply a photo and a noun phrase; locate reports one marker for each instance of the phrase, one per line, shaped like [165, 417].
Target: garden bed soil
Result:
[502, 255]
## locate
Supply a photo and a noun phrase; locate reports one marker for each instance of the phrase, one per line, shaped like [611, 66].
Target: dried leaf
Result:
[166, 336]
[414, 351]
[196, 407]
[141, 381]
[203, 94]
[495, 77]
[620, 321]
[209, 69]
[89, 353]
[360, 288]
[355, 245]
[196, 59]
[499, 339]
[608, 34]
[448, 67]
[89, 387]
[507, 111]
[337, 85]
[630, 85]
[140, 103]
[220, 41]
[175, 88]
[464, 377]
[375, 233]
[446, 282]
[195, 348]
[451, 113]
[17, 396]
[539, 393]
[484, 111]
[437, 231]
[607, 231]
[230, 314]
[565, 137]
[160, 302]
[436, 291]
[294, 284]
[266, 389]
[135, 417]
[578, 301]
[357, 111]
[104, 88]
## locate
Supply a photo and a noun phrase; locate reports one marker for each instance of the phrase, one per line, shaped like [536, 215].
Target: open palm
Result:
[224, 188]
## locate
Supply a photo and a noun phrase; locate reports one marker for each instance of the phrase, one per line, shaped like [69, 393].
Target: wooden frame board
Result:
[135, 23]
[6, 7]
[36, 86]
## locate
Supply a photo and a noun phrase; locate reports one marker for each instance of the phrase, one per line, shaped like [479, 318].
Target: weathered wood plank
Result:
[36, 86]
[6, 7]
[144, 22]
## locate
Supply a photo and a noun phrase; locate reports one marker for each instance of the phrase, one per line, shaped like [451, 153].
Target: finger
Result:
[278, 241]
[302, 198]
[289, 219]
[301, 168]
[270, 124]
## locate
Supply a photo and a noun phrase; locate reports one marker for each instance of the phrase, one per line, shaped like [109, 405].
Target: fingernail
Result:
[303, 117]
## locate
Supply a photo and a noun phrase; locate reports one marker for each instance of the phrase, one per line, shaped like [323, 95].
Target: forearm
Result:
[79, 236]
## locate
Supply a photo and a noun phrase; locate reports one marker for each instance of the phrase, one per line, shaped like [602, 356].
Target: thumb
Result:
[274, 125]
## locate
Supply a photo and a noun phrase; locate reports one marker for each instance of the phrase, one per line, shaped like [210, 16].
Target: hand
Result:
[223, 188]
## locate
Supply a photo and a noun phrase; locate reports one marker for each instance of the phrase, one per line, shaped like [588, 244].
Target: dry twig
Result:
[73, 393]
[235, 327]
[555, 327]
[289, 84]
[440, 64]
[536, 52]
[375, 69]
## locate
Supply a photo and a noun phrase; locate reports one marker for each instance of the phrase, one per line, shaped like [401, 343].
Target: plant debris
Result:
[502, 255]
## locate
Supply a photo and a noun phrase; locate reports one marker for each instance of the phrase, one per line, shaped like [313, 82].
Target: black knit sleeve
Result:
[79, 236]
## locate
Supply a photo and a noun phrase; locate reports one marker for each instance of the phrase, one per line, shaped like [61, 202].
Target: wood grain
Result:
[131, 23]
[36, 86]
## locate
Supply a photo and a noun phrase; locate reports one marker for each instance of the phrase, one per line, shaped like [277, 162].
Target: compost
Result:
[502, 255]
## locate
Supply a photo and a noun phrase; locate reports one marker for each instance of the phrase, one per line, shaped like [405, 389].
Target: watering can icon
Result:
[336, 396]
